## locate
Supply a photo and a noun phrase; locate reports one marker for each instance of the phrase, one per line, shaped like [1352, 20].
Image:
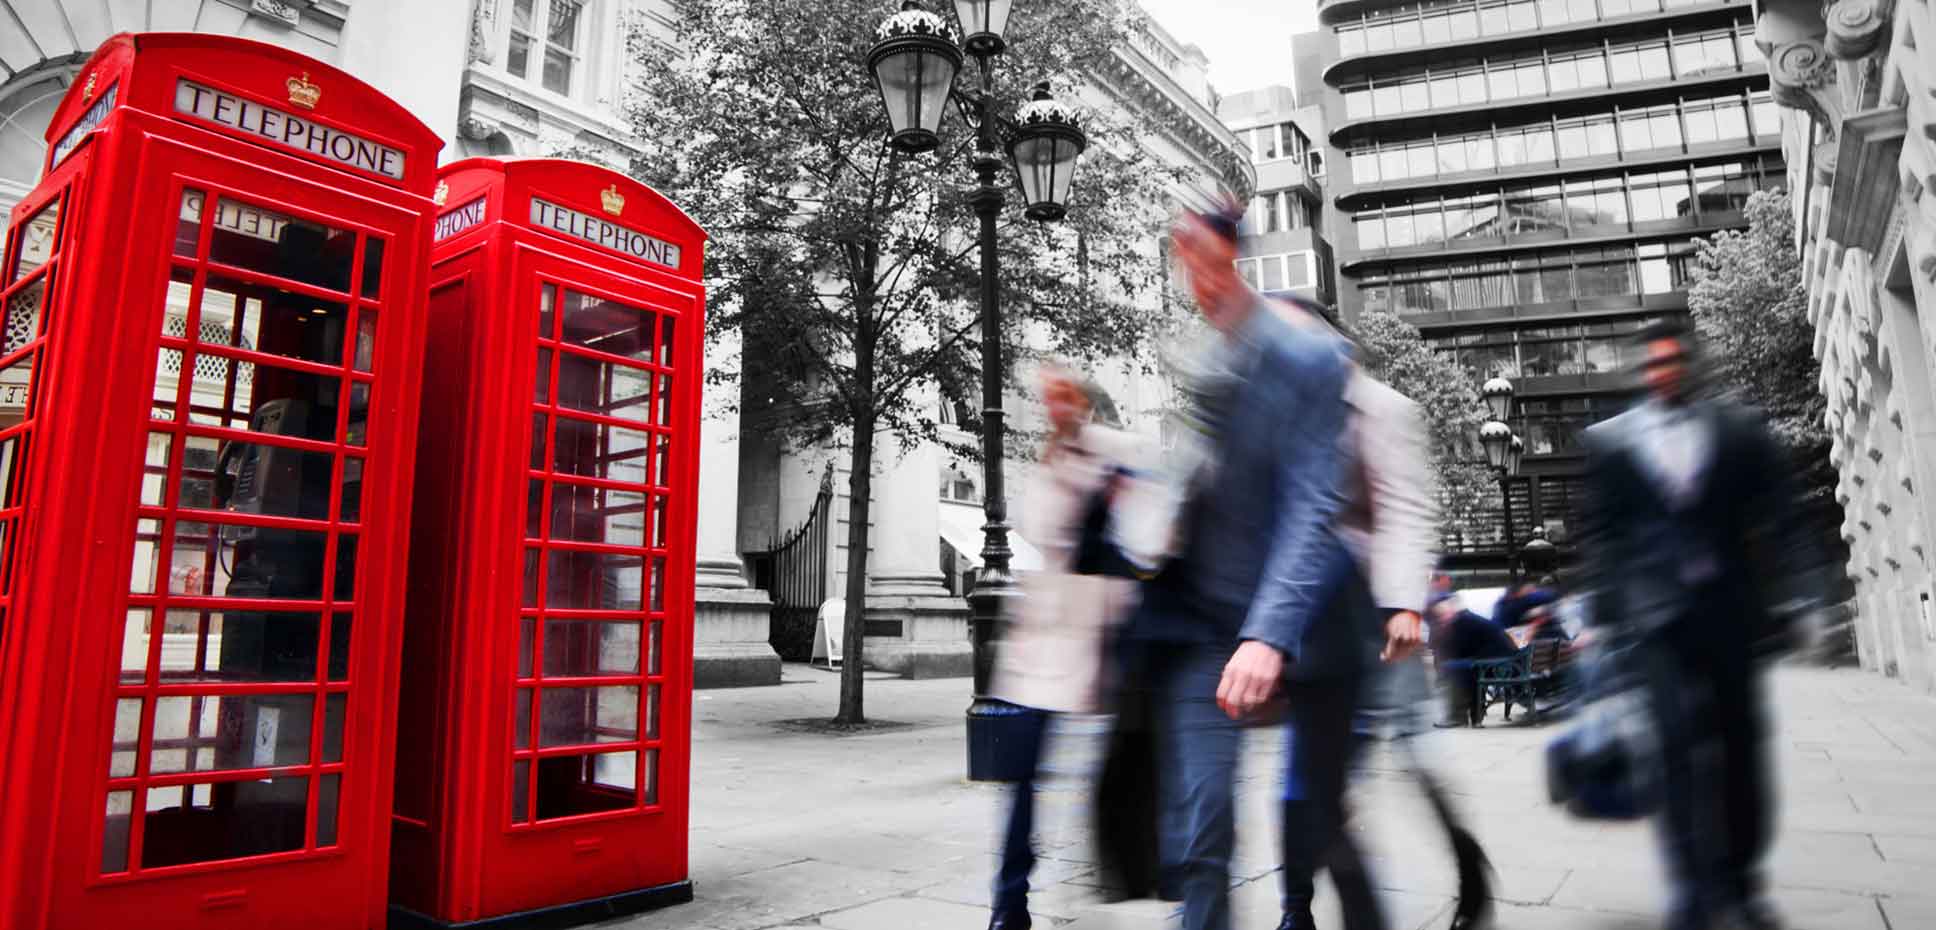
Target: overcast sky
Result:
[1248, 41]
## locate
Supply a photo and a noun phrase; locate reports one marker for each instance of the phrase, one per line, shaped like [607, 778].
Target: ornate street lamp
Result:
[1497, 439]
[1498, 393]
[1043, 147]
[914, 61]
[984, 22]
[1515, 450]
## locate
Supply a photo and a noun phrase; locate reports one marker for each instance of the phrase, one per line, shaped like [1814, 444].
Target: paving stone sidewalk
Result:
[880, 831]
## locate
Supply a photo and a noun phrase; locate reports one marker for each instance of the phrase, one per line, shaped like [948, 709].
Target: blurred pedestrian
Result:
[1512, 609]
[1051, 660]
[1689, 541]
[1233, 613]
[1461, 637]
[1390, 523]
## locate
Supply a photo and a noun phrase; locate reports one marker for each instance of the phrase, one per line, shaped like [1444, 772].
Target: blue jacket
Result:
[1259, 559]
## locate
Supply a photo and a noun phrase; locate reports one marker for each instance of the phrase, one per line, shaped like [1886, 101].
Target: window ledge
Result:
[551, 107]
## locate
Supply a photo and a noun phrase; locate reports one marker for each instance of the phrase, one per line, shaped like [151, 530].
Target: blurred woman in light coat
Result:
[1052, 658]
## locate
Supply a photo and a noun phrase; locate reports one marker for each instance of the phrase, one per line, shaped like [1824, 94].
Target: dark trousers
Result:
[1320, 745]
[1198, 747]
[1018, 838]
[1717, 819]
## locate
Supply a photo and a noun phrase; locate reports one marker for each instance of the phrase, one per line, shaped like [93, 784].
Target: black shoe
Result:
[1009, 920]
[1297, 922]
[1474, 910]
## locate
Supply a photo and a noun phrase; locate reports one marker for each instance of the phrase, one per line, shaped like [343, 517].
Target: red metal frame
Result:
[480, 834]
[122, 572]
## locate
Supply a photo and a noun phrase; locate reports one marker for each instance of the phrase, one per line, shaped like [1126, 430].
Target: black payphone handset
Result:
[253, 478]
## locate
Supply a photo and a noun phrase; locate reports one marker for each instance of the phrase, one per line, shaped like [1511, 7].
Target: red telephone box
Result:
[544, 738]
[214, 316]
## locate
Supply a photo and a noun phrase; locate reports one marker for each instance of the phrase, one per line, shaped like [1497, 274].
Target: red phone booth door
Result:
[243, 727]
[596, 744]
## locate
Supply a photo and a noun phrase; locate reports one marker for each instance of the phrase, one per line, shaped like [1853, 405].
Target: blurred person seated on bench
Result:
[1459, 638]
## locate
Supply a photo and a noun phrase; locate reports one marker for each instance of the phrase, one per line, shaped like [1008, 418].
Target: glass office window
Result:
[1730, 120]
[1405, 32]
[1664, 125]
[1464, 23]
[1744, 47]
[1445, 89]
[1492, 18]
[1421, 158]
[1635, 132]
[1554, 12]
[1357, 103]
[1539, 145]
[1512, 148]
[1428, 225]
[1351, 40]
[1436, 27]
[1700, 124]
[1364, 166]
[1272, 277]
[1522, 15]
[1480, 154]
[1398, 230]
[1605, 274]
[1583, 10]
[1624, 65]
[1570, 135]
[1564, 74]
[1413, 95]
[1656, 277]
[1593, 69]
[1384, 100]
[1600, 136]
[1500, 82]
[1472, 85]
[1767, 119]
[1391, 162]
[1531, 78]
[1371, 230]
[1654, 65]
[1378, 37]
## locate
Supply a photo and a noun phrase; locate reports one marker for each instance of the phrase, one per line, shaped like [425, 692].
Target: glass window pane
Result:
[572, 785]
[600, 450]
[238, 646]
[607, 326]
[335, 713]
[230, 560]
[328, 798]
[518, 60]
[521, 791]
[198, 733]
[114, 835]
[206, 823]
[561, 29]
[601, 515]
[127, 738]
[38, 240]
[591, 648]
[557, 71]
[594, 580]
[582, 716]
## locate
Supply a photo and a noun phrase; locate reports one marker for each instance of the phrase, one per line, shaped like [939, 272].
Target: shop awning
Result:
[961, 528]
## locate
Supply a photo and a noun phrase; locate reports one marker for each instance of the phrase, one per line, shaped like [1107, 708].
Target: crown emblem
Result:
[442, 194]
[614, 201]
[87, 90]
[302, 93]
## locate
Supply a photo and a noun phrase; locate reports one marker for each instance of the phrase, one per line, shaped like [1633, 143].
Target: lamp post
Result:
[914, 61]
[1503, 451]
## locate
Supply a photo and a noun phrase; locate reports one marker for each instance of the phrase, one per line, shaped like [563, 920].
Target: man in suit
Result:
[1461, 637]
[1237, 610]
[1688, 537]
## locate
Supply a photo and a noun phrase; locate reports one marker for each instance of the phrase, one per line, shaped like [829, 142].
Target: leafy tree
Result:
[1395, 353]
[1751, 309]
[849, 268]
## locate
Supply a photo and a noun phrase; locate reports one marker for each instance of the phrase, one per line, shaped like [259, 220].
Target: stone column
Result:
[731, 619]
[915, 627]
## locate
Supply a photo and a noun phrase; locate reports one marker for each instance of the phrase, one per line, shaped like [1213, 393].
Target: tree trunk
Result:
[860, 488]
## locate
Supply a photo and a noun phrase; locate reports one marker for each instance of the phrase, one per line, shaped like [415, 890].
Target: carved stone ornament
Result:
[1803, 77]
[482, 16]
[1855, 27]
[284, 13]
[478, 130]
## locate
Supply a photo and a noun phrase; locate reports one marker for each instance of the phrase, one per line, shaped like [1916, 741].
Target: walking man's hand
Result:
[1403, 634]
[1250, 678]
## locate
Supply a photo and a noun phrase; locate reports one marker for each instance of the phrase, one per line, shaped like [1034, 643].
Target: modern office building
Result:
[1524, 181]
[1860, 76]
[1283, 247]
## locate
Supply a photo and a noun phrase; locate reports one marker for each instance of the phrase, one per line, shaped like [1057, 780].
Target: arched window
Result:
[26, 107]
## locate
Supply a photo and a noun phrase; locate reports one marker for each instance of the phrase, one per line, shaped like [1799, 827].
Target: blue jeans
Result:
[1199, 747]
[1018, 848]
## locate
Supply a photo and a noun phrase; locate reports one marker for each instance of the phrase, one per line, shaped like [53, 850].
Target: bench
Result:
[1538, 672]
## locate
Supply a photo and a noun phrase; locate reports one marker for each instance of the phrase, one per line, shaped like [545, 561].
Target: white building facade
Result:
[1859, 77]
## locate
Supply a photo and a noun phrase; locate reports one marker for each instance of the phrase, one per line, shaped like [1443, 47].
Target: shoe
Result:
[1009, 920]
[1758, 914]
[1474, 910]
[1297, 922]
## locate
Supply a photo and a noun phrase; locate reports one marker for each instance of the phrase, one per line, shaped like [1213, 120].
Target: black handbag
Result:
[1095, 554]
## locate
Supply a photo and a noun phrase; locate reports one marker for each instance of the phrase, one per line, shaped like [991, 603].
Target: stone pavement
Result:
[879, 831]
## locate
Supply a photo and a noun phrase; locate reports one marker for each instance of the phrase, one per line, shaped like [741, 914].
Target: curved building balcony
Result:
[1569, 311]
[1570, 103]
[1353, 66]
[1680, 227]
[1374, 192]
